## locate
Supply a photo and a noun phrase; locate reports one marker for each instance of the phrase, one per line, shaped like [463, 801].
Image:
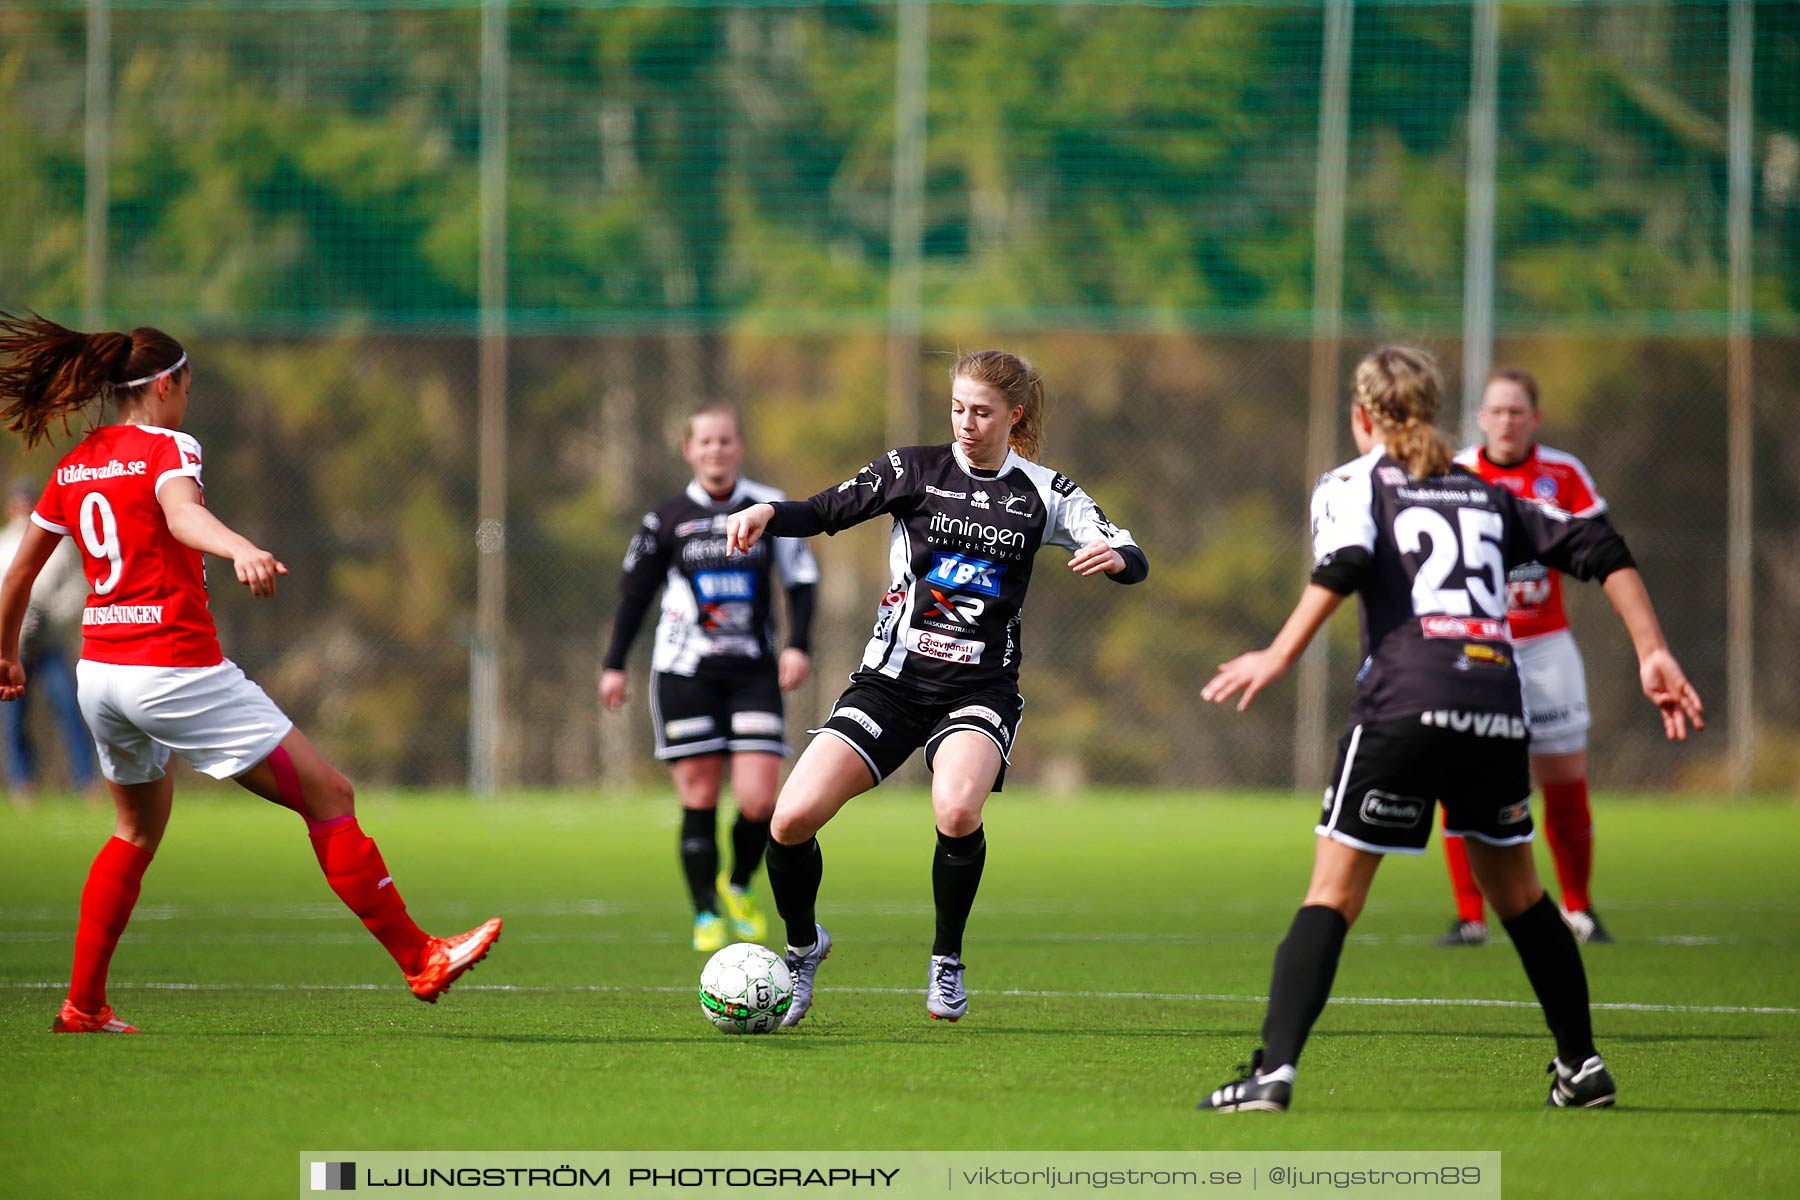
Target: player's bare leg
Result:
[297, 776]
[111, 892]
[755, 776]
[828, 776]
[963, 771]
[1552, 961]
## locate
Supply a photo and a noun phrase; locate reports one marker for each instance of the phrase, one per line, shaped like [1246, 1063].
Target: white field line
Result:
[1189, 997]
[61, 931]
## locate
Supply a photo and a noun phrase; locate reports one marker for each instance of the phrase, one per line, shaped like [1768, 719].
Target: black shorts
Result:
[1392, 775]
[885, 723]
[735, 713]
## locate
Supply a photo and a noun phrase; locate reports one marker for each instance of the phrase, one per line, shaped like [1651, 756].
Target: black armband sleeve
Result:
[800, 615]
[1136, 565]
[1613, 556]
[633, 605]
[1342, 571]
[794, 518]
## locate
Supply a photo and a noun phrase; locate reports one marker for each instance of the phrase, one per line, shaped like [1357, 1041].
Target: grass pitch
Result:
[1118, 955]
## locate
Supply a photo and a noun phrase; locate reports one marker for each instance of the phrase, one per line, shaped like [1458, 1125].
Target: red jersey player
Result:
[1548, 659]
[152, 678]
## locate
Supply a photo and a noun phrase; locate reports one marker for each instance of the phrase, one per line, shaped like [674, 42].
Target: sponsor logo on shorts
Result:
[1512, 814]
[1490, 725]
[1551, 716]
[966, 574]
[977, 710]
[944, 649]
[1464, 627]
[123, 614]
[1395, 812]
[857, 715]
[1474, 655]
[938, 491]
[758, 724]
[687, 727]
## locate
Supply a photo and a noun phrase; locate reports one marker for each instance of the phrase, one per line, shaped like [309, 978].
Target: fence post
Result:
[1478, 248]
[907, 224]
[490, 534]
[97, 180]
[1325, 405]
[1740, 413]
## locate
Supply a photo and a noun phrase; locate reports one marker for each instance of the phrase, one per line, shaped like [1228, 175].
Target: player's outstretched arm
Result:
[1663, 681]
[196, 528]
[1251, 673]
[35, 549]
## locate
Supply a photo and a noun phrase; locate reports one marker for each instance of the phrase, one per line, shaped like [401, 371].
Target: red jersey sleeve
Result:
[49, 511]
[173, 456]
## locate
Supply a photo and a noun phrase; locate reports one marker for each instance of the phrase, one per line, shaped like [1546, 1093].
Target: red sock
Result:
[106, 903]
[353, 867]
[1570, 827]
[1462, 879]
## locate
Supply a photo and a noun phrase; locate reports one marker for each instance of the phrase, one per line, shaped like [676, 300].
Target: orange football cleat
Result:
[447, 958]
[73, 1020]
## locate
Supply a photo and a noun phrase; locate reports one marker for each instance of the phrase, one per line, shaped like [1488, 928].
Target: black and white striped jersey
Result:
[1429, 559]
[960, 557]
[716, 611]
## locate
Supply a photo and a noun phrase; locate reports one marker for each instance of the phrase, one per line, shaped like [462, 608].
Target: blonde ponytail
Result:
[1400, 388]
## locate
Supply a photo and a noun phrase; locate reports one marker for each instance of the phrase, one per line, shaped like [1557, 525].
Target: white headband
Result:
[168, 370]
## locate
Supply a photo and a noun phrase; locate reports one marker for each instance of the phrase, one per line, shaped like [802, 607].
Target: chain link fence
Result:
[700, 202]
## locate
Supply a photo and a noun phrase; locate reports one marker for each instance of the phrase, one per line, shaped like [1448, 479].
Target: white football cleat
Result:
[945, 998]
[803, 969]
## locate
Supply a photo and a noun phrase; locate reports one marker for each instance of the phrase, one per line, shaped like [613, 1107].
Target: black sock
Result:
[700, 856]
[748, 840]
[794, 874]
[1305, 964]
[955, 876]
[1553, 964]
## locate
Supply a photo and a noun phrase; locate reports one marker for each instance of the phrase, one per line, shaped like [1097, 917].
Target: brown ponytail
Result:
[1400, 388]
[50, 372]
[1021, 385]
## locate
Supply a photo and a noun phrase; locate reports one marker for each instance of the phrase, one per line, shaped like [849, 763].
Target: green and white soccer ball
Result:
[745, 988]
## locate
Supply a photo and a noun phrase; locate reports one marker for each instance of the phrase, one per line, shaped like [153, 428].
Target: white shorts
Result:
[1555, 684]
[214, 717]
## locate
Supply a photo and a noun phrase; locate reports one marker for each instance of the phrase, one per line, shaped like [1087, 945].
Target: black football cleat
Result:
[1255, 1091]
[1590, 1087]
[1465, 933]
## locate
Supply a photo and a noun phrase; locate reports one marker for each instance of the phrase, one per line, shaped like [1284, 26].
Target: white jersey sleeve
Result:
[1343, 513]
[1075, 520]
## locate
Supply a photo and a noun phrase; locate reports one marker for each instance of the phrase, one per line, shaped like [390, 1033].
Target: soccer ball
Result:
[745, 988]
